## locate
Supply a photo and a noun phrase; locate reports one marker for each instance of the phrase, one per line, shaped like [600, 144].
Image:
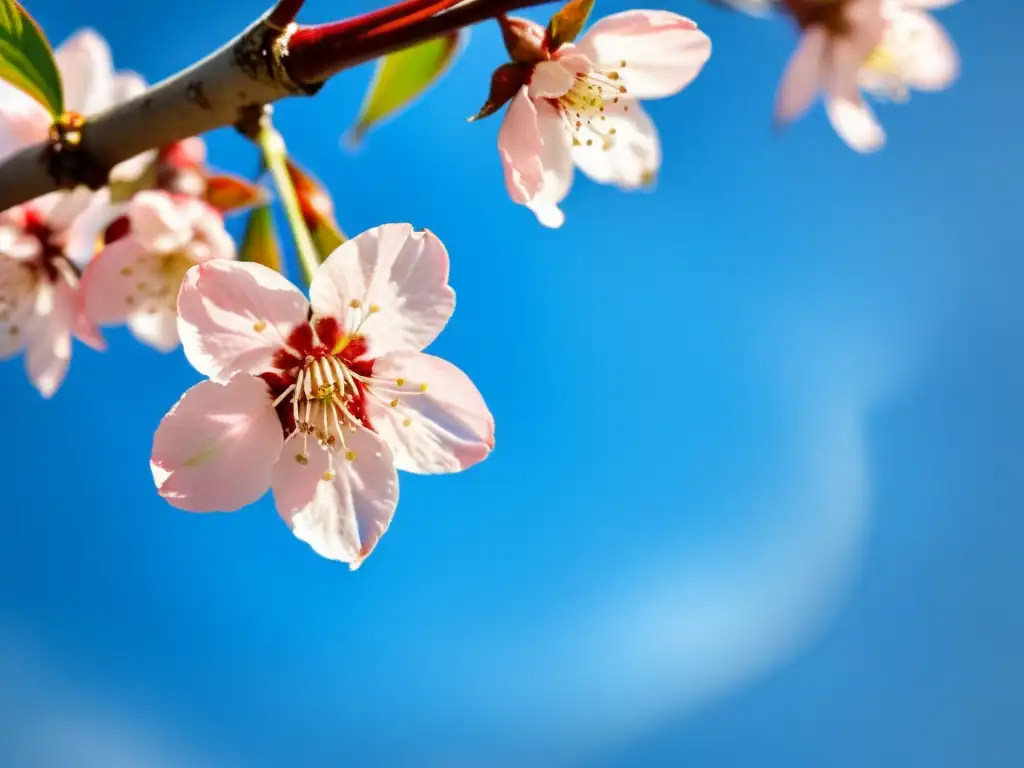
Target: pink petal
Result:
[158, 221]
[109, 282]
[551, 79]
[158, 329]
[398, 277]
[444, 428]
[216, 449]
[48, 342]
[17, 302]
[928, 59]
[233, 316]
[22, 120]
[556, 165]
[520, 146]
[210, 240]
[663, 52]
[630, 158]
[350, 507]
[855, 123]
[87, 71]
[803, 76]
[84, 232]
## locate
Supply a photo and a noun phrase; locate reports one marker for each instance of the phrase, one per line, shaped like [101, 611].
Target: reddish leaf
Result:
[566, 25]
[505, 83]
[231, 194]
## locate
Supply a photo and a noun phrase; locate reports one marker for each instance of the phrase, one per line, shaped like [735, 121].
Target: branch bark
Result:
[262, 65]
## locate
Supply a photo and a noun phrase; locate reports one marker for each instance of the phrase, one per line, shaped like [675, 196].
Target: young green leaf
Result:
[403, 76]
[566, 25]
[26, 60]
[259, 243]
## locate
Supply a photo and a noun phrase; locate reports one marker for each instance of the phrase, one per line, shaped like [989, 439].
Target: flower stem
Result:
[275, 155]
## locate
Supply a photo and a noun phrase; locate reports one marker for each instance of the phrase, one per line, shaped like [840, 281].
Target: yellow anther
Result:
[423, 387]
[301, 458]
[328, 476]
[394, 403]
[400, 382]
[622, 89]
[259, 326]
[407, 423]
[374, 308]
[590, 142]
[622, 64]
[355, 303]
[611, 131]
[126, 271]
[613, 75]
[350, 455]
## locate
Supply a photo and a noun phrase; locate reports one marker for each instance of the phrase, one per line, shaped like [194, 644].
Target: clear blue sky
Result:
[757, 489]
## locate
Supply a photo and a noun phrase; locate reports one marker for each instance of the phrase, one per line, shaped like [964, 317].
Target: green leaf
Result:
[566, 25]
[259, 243]
[401, 77]
[26, 60]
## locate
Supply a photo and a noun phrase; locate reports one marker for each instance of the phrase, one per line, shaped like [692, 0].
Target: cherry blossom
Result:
[579, 104]
[884, 47]
[42, 245]
[90, 85]
[320, 400]
[135, 279]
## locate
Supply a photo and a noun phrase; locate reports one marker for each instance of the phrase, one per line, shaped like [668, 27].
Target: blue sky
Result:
[759, 437]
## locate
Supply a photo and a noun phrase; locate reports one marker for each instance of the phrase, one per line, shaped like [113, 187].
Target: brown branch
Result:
[264, 64]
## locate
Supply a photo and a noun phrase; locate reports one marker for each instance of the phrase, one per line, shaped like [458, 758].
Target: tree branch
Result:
[264, 64]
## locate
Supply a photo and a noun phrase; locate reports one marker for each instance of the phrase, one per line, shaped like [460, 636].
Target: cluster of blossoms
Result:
[323, 400]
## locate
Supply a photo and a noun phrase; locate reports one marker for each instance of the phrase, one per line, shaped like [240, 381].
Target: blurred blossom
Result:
[41, 245]
[135, 279]
[90, 86]
[883, 47]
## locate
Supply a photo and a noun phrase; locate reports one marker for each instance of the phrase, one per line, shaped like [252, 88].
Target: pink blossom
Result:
[90, 86]
[884, 47]
[322, 400]
[579, 106]
[42, 245]
[135, 279]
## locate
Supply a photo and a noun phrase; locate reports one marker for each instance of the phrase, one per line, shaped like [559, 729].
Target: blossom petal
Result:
[928, 60]
[803, 77]
[550, 80]
[17, 302]
[84, 233]
[158, 221]
[48, 342]
[439, 422]
[556, 166]
[654, 53]
[629, 152]
[158, 329]
[398, 277]
[856, 124]
[87, 72]
[520, 147]
[352, 502]
[216, 448]
[233, 316]
[108, 283]
[23, 121]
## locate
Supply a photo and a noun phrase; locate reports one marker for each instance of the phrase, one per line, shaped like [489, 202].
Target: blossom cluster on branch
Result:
[322, 400]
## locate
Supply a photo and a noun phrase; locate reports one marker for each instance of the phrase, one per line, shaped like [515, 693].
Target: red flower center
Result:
[320, 382]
